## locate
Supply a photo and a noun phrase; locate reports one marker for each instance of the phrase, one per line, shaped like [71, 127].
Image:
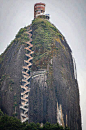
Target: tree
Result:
[66, 128]
[1, 113]
[10, 123]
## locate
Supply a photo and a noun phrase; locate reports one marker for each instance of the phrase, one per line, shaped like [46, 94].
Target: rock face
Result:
[54, 94]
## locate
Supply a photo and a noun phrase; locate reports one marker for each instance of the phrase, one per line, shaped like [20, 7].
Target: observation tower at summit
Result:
[39, 11]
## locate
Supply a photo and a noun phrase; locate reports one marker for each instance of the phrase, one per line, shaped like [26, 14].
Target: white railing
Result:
[39, 14]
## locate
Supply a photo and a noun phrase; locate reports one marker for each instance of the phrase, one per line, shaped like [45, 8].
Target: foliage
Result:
[2, 79]
[66, 128]
[12, 123]
[1, 59]
[20, 38]
[44, 35]
[1, 113]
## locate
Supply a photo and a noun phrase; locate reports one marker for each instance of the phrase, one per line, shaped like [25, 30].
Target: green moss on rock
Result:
[44, 35]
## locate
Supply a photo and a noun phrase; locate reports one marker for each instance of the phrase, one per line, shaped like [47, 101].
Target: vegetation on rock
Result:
[20, 38]
[44, 36]
[51, 52]
[11, 123]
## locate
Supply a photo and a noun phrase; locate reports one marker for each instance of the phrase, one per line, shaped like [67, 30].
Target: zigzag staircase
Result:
[24, 108]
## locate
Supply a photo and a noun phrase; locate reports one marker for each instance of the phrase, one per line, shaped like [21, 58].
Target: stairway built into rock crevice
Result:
[26, 81]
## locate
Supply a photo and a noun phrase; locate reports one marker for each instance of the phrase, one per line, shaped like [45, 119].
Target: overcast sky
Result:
[69, 16]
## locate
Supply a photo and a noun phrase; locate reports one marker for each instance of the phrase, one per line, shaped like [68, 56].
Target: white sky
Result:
[69, 16]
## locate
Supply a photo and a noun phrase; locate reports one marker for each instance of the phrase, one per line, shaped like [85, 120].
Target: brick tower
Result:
[39, 9]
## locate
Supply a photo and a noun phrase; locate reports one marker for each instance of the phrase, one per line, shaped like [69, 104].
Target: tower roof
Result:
[39, 4]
